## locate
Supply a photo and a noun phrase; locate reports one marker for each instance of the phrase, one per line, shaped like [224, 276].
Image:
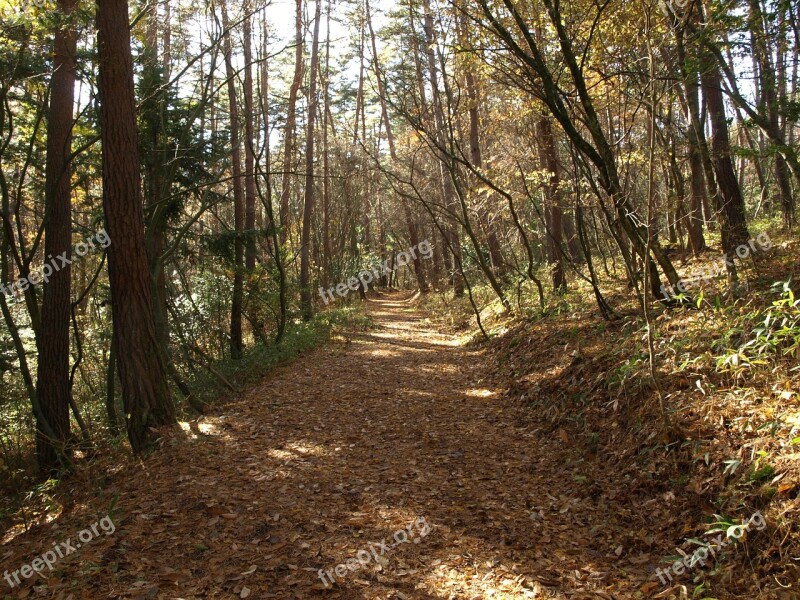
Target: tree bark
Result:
[306, 305]
[249, 145]
[145, 392]
[476, 157]
[53, 386]
[326, 183]
[730, 203]
[237, 300]
[695, 140]
[768, 105]
[291, 123]
[548, 159]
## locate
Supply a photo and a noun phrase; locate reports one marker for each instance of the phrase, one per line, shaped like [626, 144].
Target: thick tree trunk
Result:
[695, 138]
[730, 203]
[145, 392]
[548, 160]
[53, 387]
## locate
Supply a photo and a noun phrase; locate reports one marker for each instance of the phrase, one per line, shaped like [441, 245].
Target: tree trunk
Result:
[548, 160]
[291, 120]
[768, 105]
[495, 253]
[451, 229]
[237, 300]
[694, 137]
[249, 147]
[326, 183]
[730, 203]
[596, 148]
[411, 224]
[145, 392]
[306, 305]
[53, 387]
[111, 378]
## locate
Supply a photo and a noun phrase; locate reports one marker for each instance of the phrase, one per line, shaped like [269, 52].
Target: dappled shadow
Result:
[335, 453]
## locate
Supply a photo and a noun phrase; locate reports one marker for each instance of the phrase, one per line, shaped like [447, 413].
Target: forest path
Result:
[398, 428]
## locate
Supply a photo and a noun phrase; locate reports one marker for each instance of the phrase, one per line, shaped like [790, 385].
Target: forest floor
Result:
[398, 446]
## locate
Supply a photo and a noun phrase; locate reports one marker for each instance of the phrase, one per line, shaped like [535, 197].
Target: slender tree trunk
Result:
[145, 391]
[442, 260]
[476, 157]
[265, 121]
[267, 196]
[291, 124]
[768, 105]
[411, 224]
[249, 145]
[306, 305]
[152, 113]
[360, 92]
[596, 148]
[53, 386]
[237, 300]
[111, 378]
[451, 229]
[326, 183]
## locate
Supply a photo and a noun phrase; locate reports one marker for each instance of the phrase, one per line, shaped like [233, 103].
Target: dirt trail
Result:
[332, 455]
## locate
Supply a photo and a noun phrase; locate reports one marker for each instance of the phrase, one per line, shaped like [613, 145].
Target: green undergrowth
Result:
[258, 360]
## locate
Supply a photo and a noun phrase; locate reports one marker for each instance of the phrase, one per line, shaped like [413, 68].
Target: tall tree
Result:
[768, 103]
[306, 305]
[695, 139]
[450, 228]
[475, 152]
[237, 300]
[548, 160]
[145, 392]
[249, 145]
[290, 135]
[411, 224]
[730, 203]
[327, 121]
[589, 139]
[53, 385]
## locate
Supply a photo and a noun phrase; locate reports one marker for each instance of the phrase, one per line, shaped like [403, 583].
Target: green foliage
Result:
[779, 331]
[776, 333]
[258, 360]
[759, 471]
